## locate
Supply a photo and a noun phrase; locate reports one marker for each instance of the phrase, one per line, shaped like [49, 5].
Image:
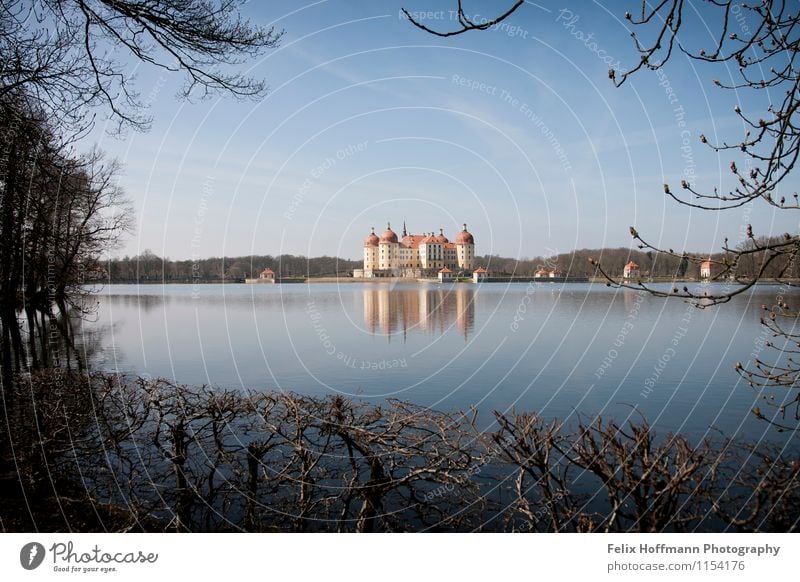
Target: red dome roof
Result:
[389, 235]
[464, 237]
[440, 238]
[372, 240]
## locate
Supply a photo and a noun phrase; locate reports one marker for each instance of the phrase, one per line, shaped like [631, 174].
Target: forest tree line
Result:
[149, 267]
[651, 263]
[65, 69]
[58, 211]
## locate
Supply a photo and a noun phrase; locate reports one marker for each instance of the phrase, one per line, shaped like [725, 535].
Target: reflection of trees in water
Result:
[34, 339]
[43, 419]
[423, 309]
[155, 456]
[144, 303]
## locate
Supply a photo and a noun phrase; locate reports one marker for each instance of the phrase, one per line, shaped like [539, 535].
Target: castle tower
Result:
[388, 254]
[465, 249]
[371, 253]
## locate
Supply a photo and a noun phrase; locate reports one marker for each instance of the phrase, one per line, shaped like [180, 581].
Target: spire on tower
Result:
[404, 228]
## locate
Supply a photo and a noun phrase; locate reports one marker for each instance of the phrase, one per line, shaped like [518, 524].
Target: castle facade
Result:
[416, 255]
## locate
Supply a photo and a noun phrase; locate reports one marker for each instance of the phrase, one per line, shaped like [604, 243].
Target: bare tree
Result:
[765, 59]
[62, 62]
[763, 55]
[62, 52]
[108, 453]
[465, 22]
[58, 213]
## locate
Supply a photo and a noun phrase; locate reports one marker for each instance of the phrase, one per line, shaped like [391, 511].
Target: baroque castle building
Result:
[416, 255]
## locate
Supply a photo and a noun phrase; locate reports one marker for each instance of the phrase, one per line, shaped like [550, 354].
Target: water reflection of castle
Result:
[429, 309]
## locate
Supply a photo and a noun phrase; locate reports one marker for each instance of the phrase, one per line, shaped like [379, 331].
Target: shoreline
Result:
[409, 280]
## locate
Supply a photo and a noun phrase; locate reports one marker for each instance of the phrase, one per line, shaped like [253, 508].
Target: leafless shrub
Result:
[102, 452]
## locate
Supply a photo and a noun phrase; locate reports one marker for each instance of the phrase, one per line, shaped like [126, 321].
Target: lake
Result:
[560, 349]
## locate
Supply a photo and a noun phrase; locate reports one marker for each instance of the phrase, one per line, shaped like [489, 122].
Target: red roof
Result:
[412, 241]
[631, 266]
[445, 270]
[372, 239]
[480, 270]
[389, 235]
[465, 237]
[267, 271]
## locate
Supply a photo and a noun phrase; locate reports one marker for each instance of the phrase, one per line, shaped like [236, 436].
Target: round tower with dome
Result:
[465, 249]
[416, 255]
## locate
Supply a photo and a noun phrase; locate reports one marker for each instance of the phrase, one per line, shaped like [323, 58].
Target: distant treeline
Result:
[651, 263]
[576, 263]
[150, 267]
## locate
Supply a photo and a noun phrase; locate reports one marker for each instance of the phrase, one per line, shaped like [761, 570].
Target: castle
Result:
[416, 255]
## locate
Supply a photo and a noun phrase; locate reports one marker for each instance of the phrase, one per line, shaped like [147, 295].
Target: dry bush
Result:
[94, 452]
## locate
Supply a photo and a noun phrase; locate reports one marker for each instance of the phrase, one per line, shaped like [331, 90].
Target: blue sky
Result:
[516, 131]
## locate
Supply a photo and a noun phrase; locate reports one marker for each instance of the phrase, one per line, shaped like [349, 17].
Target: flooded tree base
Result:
[95, 452]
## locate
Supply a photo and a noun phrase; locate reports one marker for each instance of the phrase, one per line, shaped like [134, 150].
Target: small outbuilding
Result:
[705, 269]
[631, 271]
[267, 276]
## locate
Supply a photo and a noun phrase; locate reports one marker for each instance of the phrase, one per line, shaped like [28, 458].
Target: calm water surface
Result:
[557, 349]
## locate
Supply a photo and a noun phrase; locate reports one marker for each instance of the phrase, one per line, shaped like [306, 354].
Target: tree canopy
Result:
[70, 55]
